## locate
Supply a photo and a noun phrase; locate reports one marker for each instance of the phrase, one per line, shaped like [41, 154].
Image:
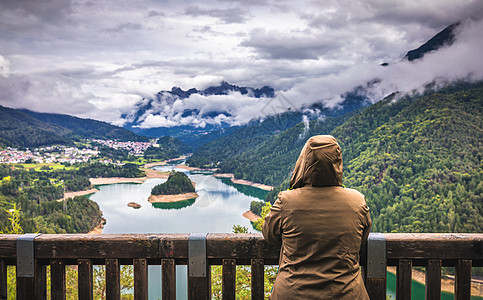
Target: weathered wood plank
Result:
[140, 279]
[199, 288]
[57, 279]
[257, 282]
[40, 282]
[376, 288]
[429, 245]
[433, 279]
[463, 280]
[85, 284]
[97, 246]
[113, 280]
[3, 280]
[168, 275]
[228, 279]
[403, 282]
[25, 288]
[240, 246]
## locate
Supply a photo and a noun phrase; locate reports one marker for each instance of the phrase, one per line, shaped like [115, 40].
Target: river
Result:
[219, 206]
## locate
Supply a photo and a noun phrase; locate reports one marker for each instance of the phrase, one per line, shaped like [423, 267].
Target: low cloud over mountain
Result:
[102, 59]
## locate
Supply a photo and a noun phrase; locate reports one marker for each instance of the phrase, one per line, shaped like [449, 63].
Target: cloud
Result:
[449, 64]
[4, 67]
[233, 109]
[154, 13]
[293, 45]
[229, 15]
[56, 57]
[124, 27]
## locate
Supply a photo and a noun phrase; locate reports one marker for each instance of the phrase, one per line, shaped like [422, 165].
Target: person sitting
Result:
[321, 226]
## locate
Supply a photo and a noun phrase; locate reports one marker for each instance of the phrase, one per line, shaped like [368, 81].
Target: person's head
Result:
[319, 163]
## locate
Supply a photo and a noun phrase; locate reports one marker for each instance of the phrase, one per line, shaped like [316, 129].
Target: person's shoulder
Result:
[287, 194]
[353, 193]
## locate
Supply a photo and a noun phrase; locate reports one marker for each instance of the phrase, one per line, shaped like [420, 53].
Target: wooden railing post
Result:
[26, 267]
[228, 285]
[463, 280]
[3, 280]
[403, 281]
[140, 279]
[199, 271]
[113, 279]
[375, 271]
[57, 279]
[258, 283]
[85, 284]
[433, 279]
[168, 286]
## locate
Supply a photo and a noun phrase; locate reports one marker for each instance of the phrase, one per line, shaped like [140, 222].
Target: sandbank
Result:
[150, 173]
[172, 198]
[244, 182]
[78, 193]
[156, 163]
[251, 216]
[99, 227]
[185, 167]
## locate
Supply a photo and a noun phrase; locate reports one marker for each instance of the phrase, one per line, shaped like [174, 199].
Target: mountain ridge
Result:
[25, 128]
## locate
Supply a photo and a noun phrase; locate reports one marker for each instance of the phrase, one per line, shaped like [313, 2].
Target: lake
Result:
[219, 206]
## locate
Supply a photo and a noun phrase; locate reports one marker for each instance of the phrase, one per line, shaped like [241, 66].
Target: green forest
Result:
[417, 159]
[177, 183]
[35, 195]
[169, 147]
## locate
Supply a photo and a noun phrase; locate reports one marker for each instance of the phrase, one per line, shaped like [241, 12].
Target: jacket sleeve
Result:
[272, 227]
[367, 222]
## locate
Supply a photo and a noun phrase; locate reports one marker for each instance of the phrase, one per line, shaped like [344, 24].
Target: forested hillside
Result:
[86, 128]
[24, 128]
[417, 159]
[35, 194]
[17, 129]
[168, 147]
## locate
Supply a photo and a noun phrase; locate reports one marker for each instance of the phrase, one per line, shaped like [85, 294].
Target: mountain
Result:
[444, 38]
[86, 128]
[24, 128]
[162, 106]
[17, 129]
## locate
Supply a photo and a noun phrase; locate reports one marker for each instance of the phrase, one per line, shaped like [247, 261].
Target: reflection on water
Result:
[174, 205]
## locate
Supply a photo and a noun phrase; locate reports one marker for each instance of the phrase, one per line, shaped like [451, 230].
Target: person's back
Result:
[321, 226]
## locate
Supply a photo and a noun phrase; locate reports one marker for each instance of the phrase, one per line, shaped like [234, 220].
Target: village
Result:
[72, 155]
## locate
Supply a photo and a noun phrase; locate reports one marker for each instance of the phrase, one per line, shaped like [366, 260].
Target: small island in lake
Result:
[178, 187]
[134, 205]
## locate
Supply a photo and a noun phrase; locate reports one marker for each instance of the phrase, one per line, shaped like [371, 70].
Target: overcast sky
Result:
[99, 58]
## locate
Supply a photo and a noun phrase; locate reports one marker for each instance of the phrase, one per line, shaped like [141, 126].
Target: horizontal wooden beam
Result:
[241, 247]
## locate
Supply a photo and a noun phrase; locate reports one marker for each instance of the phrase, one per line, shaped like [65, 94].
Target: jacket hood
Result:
[319, 163]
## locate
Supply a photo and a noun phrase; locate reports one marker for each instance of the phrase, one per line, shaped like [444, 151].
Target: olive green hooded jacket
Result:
[320, 226]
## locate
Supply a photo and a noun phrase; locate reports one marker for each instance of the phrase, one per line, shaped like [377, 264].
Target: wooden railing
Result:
[404, 251]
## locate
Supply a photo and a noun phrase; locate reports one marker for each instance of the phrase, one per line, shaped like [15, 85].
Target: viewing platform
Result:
[31, 254]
